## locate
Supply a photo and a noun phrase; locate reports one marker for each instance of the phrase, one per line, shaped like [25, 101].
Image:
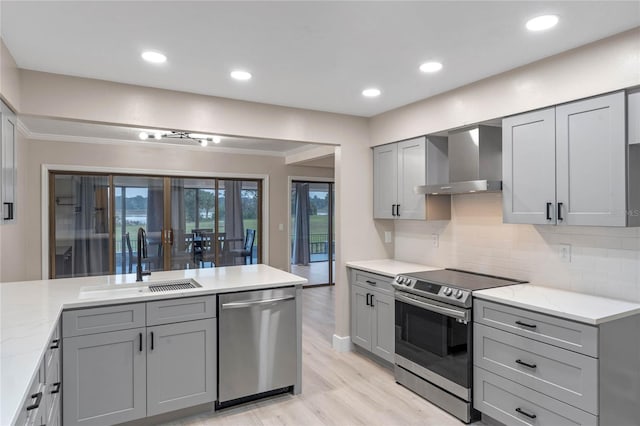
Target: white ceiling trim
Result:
[109, 141]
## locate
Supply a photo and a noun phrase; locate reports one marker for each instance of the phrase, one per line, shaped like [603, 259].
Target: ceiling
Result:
[317, 55]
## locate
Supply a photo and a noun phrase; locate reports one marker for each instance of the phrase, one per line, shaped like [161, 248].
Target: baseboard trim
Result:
[342, 344]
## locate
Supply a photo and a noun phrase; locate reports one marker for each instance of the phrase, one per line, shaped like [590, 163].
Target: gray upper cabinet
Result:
[633, 108]
[528, 167]
[181, 365]
[8, 157]
[397, 169]
[385, 181]
[591, 161]
[567, 165]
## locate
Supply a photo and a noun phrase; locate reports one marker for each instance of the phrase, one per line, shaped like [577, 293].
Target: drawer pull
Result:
[57, 388]
[524, 413]
[371, 282]
[38, 397]
[526, 364]
[55, 344]
[524, 324]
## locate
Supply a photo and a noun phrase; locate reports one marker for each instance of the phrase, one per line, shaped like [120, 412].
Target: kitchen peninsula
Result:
[31, 312]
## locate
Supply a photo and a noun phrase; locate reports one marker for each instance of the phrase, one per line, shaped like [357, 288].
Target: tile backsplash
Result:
[603, 261]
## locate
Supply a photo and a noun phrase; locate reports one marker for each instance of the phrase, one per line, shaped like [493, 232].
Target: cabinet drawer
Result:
[52, 355]
[179, 310]
[512, 404]
[559, 373]
[34, 416]
[366, 279]
[100, 320]
[566, 334]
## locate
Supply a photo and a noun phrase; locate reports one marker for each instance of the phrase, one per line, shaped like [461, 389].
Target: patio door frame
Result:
[331, 208]
[47, 170]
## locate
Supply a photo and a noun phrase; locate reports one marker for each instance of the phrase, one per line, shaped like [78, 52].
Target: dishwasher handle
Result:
[250, 303]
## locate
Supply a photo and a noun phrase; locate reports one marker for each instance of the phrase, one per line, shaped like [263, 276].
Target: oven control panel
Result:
[453, 295]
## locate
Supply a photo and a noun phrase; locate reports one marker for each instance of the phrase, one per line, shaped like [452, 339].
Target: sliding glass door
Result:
[79, 221]
[189, 223]
[139, 203]
[312, 231]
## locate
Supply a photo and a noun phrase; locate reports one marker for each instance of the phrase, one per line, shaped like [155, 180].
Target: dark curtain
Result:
[301, 252]
[90, 249]
[233, 226]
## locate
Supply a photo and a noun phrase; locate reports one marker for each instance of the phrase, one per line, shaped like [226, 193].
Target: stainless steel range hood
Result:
[475, 162]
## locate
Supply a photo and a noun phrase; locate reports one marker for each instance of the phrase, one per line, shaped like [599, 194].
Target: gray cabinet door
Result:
[385, 180]
[383, 333]
[360, 317]
[528, 167]
[8, 157]
[181, 365]
[411, 173]
[591, 161]
[104, 378]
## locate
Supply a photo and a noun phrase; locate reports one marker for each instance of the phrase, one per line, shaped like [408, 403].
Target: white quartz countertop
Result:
[389, 267]
[579, 307]
[29, 311]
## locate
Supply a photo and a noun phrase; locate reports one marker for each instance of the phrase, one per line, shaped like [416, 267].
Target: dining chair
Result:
[246, 251]
[207, 249]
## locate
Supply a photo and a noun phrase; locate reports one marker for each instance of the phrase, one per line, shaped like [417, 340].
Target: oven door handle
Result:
[455, 313]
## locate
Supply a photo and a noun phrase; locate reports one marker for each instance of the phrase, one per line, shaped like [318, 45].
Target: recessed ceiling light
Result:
[204, 142]
[154, 57]
[216, 139]
[371, 92]
[431, 67]
[158, 135]
[143, 135]
[541, 23]
[240, 75]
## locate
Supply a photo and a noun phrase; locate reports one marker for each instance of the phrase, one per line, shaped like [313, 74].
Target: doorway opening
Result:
[312, 231]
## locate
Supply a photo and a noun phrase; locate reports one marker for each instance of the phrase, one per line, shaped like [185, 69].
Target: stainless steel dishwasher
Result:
[257, 344]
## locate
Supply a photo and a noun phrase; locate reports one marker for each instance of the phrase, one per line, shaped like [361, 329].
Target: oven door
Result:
[433, 340]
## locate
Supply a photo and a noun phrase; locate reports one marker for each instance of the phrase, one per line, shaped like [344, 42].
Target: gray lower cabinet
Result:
[372, 314]
[536, 369]
[126, 362]
[181, 365]
[105, 378]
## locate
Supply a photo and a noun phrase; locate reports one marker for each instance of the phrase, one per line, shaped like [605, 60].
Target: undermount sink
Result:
[163, 286]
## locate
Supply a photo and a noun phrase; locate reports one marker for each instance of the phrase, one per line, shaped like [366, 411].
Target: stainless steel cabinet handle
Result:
[249, 303]
[445, 187]
[463, 315]
[521, 411]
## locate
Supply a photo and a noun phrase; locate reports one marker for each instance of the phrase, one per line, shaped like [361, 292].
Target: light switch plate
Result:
[435, 240]
[387, 237]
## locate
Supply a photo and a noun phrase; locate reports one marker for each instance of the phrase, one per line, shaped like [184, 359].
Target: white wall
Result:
[604, 261]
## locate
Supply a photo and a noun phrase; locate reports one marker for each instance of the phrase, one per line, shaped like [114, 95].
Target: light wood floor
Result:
[315, 272]
[337, 388]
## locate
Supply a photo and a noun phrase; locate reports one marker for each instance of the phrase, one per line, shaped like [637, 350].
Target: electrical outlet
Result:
[281, 227]
[387, 237]
[435, 240]
[564, 251]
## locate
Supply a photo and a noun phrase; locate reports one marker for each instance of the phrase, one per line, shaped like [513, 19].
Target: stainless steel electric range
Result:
[434, 335]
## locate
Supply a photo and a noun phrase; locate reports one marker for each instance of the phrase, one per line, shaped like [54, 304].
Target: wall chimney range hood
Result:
[475, 162]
